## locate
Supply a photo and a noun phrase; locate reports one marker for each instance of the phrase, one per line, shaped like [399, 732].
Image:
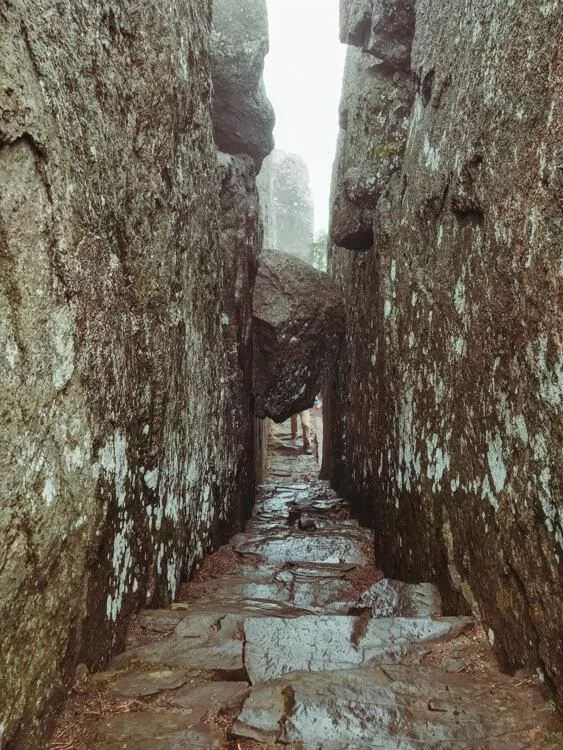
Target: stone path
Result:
[274, 645]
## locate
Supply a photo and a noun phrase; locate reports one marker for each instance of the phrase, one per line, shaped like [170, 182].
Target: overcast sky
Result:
[303, 76]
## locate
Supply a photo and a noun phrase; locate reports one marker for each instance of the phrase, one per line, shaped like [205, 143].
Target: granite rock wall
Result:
[243, 117]
[445, 413]
[127, 259]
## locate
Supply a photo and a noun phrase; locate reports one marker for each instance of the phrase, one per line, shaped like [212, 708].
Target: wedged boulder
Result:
[243, 118]
[298, 320]
[392, 32]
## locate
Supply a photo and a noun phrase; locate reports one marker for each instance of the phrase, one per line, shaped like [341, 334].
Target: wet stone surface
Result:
[290, 642]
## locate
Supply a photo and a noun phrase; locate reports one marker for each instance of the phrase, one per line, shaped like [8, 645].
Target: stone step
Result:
[320, 643]
[389, 707]
[302, 547]
[155, 731]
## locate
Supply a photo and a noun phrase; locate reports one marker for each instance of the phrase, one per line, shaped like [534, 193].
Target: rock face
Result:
[445, 410]
[243, 118]
[126, 427]
[298, 323]
[368, 156]
[286, 204]
[384, 28]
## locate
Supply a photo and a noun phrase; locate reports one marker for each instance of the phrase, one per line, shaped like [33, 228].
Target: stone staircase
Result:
[275, 645]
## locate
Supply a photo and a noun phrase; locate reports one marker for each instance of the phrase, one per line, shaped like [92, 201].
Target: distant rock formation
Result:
[286, 204]
[445, 409]
[297, 323]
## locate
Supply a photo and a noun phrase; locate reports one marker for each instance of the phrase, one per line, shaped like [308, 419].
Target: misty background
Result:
[303, 76]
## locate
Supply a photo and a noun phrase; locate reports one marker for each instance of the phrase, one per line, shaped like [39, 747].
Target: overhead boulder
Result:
[298, 322]
[243, 118]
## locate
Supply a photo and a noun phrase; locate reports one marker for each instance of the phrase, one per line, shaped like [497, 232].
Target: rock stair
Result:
[282, 650]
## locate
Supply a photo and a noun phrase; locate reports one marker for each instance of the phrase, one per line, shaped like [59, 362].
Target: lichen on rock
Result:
[445, 409]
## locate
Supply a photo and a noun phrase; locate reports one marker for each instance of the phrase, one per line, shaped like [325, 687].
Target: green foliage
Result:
[391, 149]
[318, 250]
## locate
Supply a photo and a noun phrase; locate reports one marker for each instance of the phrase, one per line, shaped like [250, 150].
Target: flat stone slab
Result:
[155, 731]
[237, 590]
[141, 683]
[316, 548]
[207, 641]
[319, 643]
[159, 620]
[389, 598]
[391, 707]
[212, 696]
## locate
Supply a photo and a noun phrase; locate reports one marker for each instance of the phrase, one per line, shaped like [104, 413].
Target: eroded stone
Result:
[209, 641]
[388, 598]
[307, 549]
[159, 620]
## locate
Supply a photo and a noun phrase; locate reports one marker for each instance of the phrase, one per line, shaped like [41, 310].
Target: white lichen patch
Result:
[62, 341]
[459, 346]
[459, 297]
[431, 155]
[547, 8]
[121, 564]
[550, 377]
[438, 461]
[151, 478]
[488, 494]
[409, 469]
[515, 426]
[50, 488]
[497, 467]
[12, 353]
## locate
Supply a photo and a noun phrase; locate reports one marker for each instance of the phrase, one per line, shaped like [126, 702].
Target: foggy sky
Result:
[303, 75]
